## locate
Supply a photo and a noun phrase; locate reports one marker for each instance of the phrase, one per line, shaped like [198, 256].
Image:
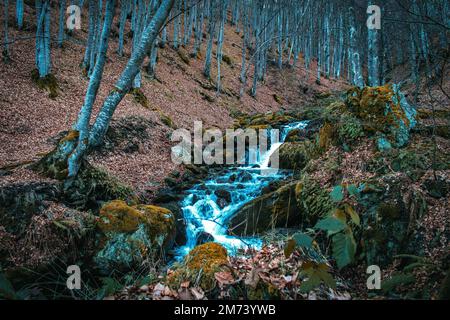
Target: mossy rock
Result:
[277, 209]
[132, 234]
[389, 223]
[200, 266]
[294, 136]
[327, 136]
[118, 217]
[313, 200]
[293, 155]
[270, 119]
[95, 186]
[383, 110]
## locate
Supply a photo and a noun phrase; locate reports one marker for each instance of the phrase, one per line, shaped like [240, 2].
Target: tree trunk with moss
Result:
[65, 160]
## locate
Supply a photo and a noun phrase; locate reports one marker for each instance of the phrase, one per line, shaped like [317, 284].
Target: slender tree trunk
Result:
[124, 7]
[223, 13]
[62, 22]
[124, 83]
[91, 34]
[211, 31]
[84, 116]
[5, 26]
[19, 13]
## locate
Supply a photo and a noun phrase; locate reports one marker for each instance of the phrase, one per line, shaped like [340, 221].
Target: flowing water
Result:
[206, 214]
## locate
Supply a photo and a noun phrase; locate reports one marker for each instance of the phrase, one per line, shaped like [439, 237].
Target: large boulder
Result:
[383, 111]
[292, 155]
[132, 234]
[389, 224]
[200, 266]
[277, 209]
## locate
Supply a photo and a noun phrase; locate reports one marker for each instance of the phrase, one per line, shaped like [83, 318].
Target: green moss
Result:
[200, 265]
[132, 234]
[228, 60]
[278, 99]
[167, 120]
[48, 82]
[327, 136]
[293, 155]
[140, 97]
[98, 183]
[313, 199]
[160, 222]
[389, 211]
[184, 56]
[350, 129]
[117, 216]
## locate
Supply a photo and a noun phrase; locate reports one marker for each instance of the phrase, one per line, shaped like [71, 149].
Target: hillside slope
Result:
[30, 120]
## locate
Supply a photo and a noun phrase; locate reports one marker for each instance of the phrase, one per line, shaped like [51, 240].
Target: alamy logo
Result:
[374, 280]
[243, 147]
[74, 20]
[374, 20]
[74, 280]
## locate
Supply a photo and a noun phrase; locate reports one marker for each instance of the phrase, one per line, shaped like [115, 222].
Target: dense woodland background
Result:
[86, 117]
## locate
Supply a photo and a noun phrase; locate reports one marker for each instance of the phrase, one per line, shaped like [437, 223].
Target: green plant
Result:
[350, 129]
[110, 286]
[8, 292]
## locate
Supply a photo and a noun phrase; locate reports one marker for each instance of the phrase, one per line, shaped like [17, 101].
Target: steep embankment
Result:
[138, 152]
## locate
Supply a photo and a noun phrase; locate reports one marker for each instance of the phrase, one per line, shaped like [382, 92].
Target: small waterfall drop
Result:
[208, 206]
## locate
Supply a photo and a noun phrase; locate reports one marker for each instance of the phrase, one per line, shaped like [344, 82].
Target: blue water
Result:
[206, 213]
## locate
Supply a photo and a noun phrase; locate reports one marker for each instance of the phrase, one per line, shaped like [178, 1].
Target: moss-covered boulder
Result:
[313, 201]
[132, 234]
[383, 110]
[277, 209]
[296, 155]
[269, 119]
[389, 223]
[200, 266]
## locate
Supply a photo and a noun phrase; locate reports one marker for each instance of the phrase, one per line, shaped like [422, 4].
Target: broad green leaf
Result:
[312, 282]
[316, 274]
[337, 194]
[330, 224]
[353, 215]
[344, 248]
[303, 240]
[289, 248]
[327, 278]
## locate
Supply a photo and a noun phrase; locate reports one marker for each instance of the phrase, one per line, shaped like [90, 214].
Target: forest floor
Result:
[31, 122]
[138, 147]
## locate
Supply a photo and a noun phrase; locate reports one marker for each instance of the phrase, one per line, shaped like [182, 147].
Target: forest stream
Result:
[210, 205]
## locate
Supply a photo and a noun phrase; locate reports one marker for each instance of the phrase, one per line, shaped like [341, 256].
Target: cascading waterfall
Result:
[205, 210]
